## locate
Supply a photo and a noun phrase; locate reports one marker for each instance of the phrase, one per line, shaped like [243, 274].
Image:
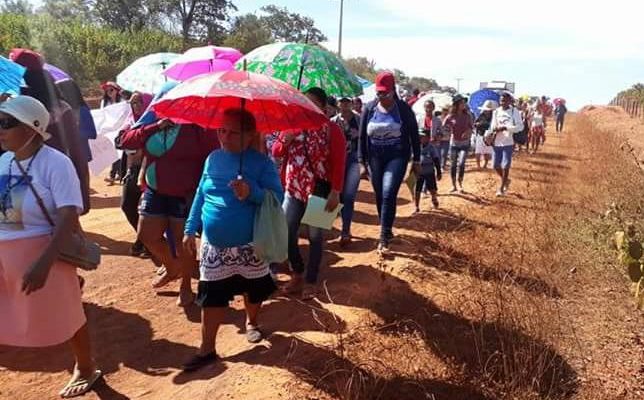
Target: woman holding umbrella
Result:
[388, 137]
[224, 210]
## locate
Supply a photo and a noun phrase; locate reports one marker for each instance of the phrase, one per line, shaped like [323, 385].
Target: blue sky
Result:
[583, 51]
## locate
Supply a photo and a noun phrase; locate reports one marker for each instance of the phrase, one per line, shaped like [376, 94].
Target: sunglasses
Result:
[384, 95]
[8, 123]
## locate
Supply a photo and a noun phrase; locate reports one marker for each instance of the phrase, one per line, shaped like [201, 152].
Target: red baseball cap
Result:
[385, 82]
[27, 58]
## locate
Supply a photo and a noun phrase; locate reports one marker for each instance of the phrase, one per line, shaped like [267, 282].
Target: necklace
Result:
[4, 199]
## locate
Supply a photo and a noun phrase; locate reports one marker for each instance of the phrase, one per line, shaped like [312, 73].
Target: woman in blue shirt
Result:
[388, 137]
[224, 211]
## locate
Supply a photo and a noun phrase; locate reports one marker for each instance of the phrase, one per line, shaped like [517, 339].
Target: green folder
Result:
[316, 216]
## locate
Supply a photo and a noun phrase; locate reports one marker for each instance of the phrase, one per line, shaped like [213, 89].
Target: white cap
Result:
[29, 111]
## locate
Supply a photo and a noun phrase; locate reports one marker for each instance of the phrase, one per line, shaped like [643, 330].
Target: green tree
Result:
[422, 84]
[248, 32]
[362, 66]
[14, 32]
[130, 15]
[286, 26]
[200, 19]
[16, 7]
[68, 9]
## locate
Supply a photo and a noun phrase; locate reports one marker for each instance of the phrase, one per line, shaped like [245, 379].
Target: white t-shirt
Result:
[537, 120]
[511, 120]
[54, 178]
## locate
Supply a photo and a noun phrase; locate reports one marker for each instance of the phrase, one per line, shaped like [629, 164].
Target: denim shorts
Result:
[154, 204]
[503, 156]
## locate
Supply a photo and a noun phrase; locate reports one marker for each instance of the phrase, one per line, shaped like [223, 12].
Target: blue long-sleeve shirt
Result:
[224, 220]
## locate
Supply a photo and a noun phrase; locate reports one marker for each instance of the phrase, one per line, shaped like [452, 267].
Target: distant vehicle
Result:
[498, 85]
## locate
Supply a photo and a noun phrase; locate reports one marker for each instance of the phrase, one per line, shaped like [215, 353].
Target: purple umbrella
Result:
[202, 60]
[57, 73]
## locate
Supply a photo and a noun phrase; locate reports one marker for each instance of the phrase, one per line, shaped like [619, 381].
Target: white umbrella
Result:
[441, 100]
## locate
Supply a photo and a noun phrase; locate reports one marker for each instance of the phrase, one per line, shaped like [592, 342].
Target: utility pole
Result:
[340, 34]
[458, 84]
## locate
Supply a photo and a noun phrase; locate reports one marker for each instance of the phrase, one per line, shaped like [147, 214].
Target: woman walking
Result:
[349, 123]
[313, 163]
[506, 121]
[459, 123]
[175, 155]
[482, 125]
[63, 126]
[224, 210]
[388, 138]
[131, 191]
[111, 94]
[537, 129]
[40, 299]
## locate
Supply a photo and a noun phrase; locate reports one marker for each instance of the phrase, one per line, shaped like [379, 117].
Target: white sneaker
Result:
[499, 193]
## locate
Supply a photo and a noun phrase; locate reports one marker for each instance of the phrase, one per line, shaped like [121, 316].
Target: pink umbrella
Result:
[202, 60]
[558, 101]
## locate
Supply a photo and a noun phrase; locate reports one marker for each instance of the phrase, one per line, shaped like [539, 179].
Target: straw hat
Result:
[489, 105]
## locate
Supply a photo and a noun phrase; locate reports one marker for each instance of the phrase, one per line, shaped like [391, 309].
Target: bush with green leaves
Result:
[88, 52]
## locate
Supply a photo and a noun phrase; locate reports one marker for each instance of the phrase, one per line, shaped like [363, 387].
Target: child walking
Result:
[430, 170]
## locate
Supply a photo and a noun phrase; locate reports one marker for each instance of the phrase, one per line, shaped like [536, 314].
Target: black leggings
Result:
[131, 196]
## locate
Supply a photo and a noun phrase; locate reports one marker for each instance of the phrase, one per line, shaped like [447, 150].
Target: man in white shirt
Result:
[506, 121]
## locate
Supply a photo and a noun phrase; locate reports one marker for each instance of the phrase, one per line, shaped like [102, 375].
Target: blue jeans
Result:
[503, 157]
[460, 153]
[294, 210]
[443, 149]
[387, 170]
[351, 183]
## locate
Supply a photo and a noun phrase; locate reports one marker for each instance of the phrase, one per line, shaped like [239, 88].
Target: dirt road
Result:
[141, 337]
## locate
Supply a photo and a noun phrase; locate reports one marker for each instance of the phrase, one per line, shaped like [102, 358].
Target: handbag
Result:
[76, 250]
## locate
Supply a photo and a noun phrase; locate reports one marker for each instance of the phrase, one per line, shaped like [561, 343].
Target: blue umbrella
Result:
[479, 97]
[10, 76]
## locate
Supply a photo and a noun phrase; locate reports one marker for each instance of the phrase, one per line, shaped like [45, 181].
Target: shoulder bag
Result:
[76, 250]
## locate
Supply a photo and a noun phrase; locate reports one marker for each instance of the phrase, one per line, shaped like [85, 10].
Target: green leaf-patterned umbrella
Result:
[303, 65]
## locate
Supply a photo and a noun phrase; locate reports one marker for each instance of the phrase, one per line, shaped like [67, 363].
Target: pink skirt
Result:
[47, 317]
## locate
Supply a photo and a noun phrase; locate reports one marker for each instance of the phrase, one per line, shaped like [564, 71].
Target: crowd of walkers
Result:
[194, 212]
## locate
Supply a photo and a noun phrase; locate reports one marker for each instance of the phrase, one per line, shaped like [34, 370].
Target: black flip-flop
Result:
[199, 361]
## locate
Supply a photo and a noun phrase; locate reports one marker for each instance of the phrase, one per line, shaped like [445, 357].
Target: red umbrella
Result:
[276, 105]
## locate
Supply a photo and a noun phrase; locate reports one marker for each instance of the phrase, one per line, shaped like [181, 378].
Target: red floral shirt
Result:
[312, 155]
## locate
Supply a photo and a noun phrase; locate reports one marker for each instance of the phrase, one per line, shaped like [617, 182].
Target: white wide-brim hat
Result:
[489, 105]
[30, 112]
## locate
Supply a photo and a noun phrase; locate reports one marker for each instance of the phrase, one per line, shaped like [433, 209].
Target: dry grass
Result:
[507, 337]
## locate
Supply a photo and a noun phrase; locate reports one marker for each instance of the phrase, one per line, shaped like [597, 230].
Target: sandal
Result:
[163, 280]
[253, 334]
[199, 361]
[78, 386]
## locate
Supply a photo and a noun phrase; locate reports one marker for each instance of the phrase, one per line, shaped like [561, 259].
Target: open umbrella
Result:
[146, 73]
[10, 76]
[56, 73]
[559, 101]
[440, 99]
[481, 96]
[276, 106]
[202, 60]
[303, 66]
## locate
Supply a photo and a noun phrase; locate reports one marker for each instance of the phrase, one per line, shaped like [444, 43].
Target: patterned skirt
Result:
[228, 271]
